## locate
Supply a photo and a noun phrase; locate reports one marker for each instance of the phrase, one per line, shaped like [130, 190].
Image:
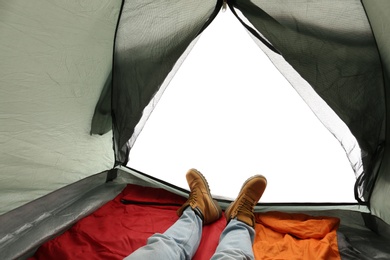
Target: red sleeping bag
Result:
[123, 225]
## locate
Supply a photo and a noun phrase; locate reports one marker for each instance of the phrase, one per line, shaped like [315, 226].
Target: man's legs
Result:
[237, 238]
[235, 242]
[180, 241]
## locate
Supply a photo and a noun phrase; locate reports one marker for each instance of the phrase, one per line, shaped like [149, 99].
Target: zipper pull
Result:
[224, 5]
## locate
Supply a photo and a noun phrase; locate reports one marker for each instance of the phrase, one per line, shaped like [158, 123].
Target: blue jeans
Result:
[182, 239]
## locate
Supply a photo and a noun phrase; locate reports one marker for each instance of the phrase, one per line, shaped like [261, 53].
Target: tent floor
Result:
[27, 227]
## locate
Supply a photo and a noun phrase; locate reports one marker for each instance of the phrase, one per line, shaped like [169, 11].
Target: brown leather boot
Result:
[200, 199]
[250, 194]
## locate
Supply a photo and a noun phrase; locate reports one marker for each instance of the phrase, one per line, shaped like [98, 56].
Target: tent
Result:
[80, 78]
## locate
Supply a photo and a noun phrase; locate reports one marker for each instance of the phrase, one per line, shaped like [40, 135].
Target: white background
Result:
[229, 113]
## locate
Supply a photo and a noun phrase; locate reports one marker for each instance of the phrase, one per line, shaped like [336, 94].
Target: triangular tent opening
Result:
[230, 113]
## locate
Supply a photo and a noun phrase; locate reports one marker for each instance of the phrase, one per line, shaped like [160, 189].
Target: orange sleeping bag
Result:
[295, 237]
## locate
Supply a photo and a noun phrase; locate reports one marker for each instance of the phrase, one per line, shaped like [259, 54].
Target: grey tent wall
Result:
[55, 57]
[336, 54]
[378, 13]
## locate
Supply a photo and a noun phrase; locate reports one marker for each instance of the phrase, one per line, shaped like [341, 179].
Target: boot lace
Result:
[192, 198]
[246, 206]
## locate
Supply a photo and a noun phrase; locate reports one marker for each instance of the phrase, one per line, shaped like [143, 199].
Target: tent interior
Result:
[80, 79]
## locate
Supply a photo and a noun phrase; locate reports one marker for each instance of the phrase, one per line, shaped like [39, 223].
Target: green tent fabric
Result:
[55, 58]
[377, 12]
[80, 78]
[354, 64]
